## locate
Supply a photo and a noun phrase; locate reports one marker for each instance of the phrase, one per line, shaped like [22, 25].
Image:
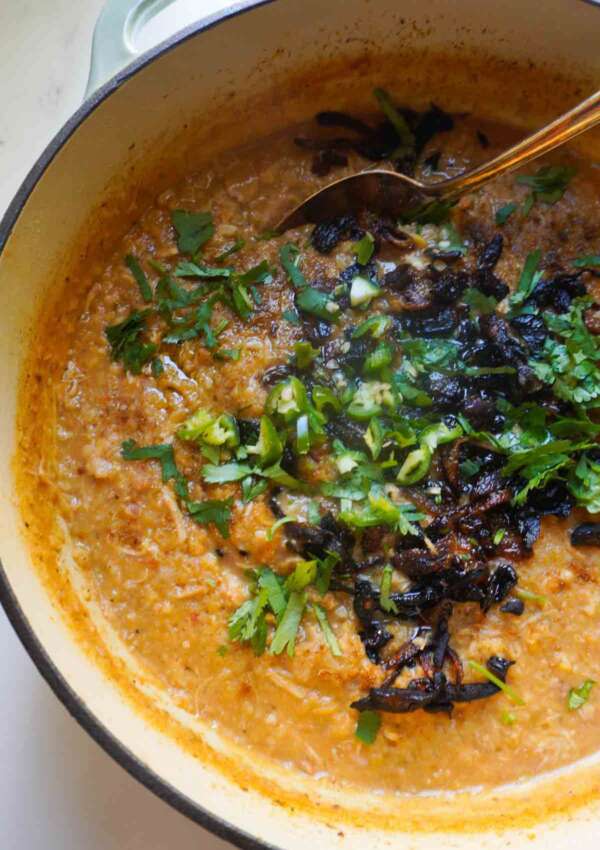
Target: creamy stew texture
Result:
[172, 557]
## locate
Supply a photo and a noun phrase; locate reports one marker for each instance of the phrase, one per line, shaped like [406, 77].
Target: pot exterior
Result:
[132, 135]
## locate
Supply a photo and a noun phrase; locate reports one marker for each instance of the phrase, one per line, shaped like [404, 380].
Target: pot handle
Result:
[113, 45]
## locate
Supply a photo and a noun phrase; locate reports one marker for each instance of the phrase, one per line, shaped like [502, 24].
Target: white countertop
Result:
[58, 789]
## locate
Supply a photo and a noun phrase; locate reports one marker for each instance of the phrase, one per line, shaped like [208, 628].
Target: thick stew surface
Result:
[336, 489]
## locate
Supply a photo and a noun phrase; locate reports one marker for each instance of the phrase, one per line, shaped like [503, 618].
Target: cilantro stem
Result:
[506, 689]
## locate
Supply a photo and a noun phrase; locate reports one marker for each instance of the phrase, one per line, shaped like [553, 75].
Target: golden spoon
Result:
[390, 193]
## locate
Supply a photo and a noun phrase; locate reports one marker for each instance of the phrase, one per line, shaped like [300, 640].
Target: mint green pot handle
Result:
[113, 46]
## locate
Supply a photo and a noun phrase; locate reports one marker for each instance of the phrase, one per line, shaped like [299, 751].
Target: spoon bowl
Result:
[393, 194]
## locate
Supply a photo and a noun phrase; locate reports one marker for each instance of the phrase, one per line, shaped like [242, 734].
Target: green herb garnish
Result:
[398, 122]
[328, 633]
[530, 277]
[285, 634]
[549, 183]
[289, 255]
[291, 316]
[251, 488]
[304, 354]
[385, 600]
[588, 262]
[215, 511]
[227, 354]
[505, 212]
[364, 249]
[506, 689]
[140, 278]
[367, 726]
[232, 249]
[509, 718]
[193, 229]
[530, 596]
[277, 525]
[190, 269]
[162, 452]
[317, 303]
[225, 473]
[579, 696]
[125, 342]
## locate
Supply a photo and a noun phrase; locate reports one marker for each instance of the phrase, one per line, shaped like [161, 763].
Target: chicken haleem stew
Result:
[336, 490]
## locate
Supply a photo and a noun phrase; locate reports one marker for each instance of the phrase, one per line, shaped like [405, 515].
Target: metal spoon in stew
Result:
[390, 193]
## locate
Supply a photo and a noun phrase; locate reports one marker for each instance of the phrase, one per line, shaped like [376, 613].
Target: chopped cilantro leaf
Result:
[285, 634]
[193, 229]
[549, 183]
[530, 277]
[386, 602]
[398, 122]
[304, 354]
[506, 689]
[291, 316]
[125, 342]
[216, 511]
[571, 366]
[171, 296]
[261, 273]
[163, 452]
[189, 269]
[273, 584]
[289, 255]
[431, 212]
[225, 473]
[232, 249]
[505, 212]
[328, 633]
[227, 354]
[317, 303]
[509, 718]
[480, 304]
[364, 249]
[579, 696]
[584, 483]
[469, 468]
[248, 622]
[267, 235]
[528, 205]
[304, 574]
[198, 324]
[324, 570]
[367, 726]
[251, 488]
[587, 262]
[140, 278]
[277, 525]
[530, 596]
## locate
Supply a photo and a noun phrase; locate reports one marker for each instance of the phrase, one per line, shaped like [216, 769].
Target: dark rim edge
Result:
[76, 707]
[113, 746]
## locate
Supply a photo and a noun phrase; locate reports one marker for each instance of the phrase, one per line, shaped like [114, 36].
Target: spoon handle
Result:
[561, 130]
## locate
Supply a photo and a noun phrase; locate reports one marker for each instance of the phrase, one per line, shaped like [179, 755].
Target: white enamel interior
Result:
[224, 64]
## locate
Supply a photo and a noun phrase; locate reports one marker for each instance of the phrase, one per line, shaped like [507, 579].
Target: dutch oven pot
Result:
[218, 84]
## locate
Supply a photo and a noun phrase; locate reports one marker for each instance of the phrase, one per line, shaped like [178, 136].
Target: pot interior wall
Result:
[222, 87]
